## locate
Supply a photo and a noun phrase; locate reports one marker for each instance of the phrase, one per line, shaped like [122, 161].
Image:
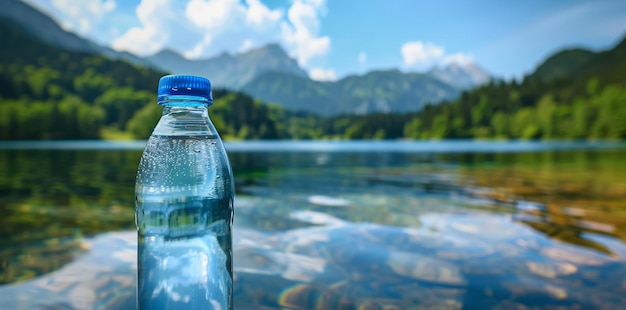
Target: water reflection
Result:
[49, 200]
[337, 230]
[572, 195]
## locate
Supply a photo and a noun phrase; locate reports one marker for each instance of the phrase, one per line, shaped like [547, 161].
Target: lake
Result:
[336, 225]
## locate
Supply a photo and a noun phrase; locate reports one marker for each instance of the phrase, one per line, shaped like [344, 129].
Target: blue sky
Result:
[335, 38]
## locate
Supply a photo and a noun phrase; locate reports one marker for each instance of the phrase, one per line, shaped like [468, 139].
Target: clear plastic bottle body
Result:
[184, 213]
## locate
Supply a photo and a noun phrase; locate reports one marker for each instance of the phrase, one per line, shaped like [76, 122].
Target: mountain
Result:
[563, 64]
[231, 71]
[48, 92]
[608, 66]
[577, 65]
[573, 94]
[388, 91]
[45, 28]
[269, 74]
[461, 76]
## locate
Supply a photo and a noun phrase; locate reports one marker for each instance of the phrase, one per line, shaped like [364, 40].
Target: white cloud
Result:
[157, 18]
[300, 32]
[458, 58]
[320, 74]
[231, 25]
[362, 58]
[201, 28]
[259, 15]
[205, 28]
[418, 53]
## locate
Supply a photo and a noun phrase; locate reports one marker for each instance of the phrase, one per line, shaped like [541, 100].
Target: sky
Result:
[335, 38]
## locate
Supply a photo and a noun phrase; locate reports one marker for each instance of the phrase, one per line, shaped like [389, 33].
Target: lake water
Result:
[336, 225]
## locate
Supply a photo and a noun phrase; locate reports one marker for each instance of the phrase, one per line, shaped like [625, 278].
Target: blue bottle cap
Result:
[184, 85]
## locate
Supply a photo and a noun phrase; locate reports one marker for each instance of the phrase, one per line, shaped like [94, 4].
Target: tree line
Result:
[93, 106]
[495, 111]
[51, 93]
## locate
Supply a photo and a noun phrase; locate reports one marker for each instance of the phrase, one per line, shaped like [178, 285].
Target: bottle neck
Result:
[187, 110]
[185, 118]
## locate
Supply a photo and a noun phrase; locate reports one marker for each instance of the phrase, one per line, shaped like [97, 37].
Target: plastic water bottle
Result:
[184, 205]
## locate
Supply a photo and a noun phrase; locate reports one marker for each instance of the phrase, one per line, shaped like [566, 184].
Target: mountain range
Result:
[389, 91]
[269, 74]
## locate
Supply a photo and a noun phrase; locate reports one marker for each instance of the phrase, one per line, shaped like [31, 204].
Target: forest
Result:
[50, 93]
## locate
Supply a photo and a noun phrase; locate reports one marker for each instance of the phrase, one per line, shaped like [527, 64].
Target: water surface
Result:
[336, 225]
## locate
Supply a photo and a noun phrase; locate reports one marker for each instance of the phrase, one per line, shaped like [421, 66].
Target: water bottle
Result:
[184, 205]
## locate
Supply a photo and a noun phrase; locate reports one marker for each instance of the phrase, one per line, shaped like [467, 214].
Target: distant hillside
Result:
[49, 92]
[578, 65]
[45, 28]
[608, 66]
[573, 94]
[375, 92]
[393, 91]
[231, 71]
[563, 64]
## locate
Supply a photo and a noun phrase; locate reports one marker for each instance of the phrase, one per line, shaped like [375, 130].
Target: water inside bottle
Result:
[184, 217]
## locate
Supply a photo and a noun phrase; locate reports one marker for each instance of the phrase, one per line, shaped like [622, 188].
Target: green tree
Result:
[500, 125]
[439, 128]
[121, 103]
[412, 130]
[480, 112]
[611, 119]
[144, 121]
[89, 85]
[546, 113]
[524, 124]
